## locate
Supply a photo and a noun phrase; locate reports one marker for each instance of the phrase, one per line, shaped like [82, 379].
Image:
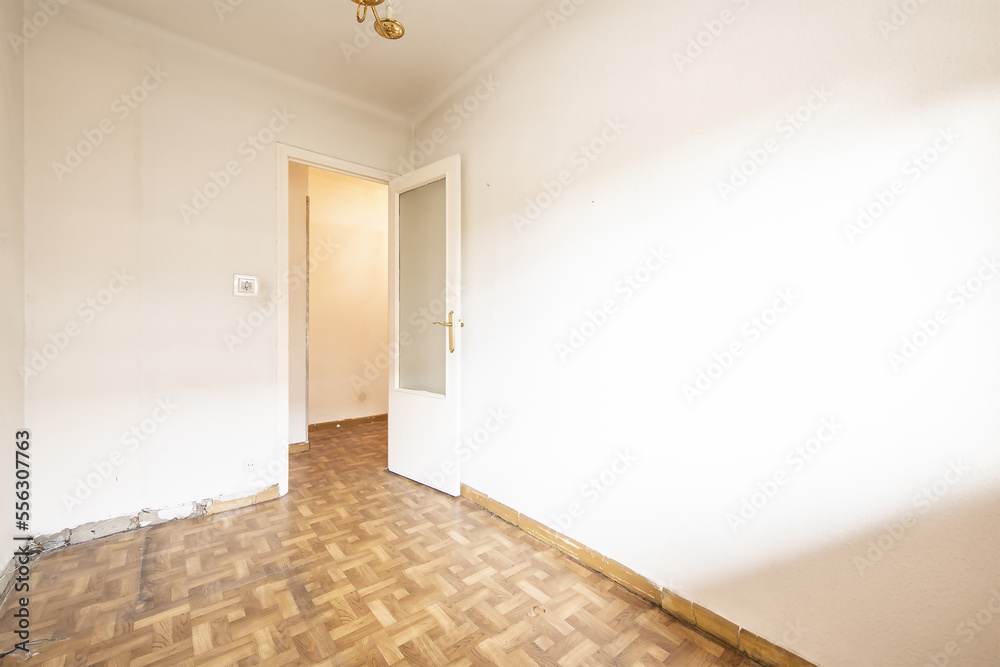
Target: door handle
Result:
[450, 324]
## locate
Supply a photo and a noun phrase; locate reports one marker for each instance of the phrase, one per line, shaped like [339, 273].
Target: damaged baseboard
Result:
[7, 579]
[95, 530]
[724, 630]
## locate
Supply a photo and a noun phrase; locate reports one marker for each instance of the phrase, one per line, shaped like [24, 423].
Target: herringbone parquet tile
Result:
[355, 566]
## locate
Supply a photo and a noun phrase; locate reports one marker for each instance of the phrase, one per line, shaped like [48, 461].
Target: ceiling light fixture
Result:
[388, 27]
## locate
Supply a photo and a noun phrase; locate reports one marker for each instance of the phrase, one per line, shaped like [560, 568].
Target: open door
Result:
[425, 324]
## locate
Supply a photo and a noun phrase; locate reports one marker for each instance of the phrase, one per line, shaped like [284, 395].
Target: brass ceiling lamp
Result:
[388, 27]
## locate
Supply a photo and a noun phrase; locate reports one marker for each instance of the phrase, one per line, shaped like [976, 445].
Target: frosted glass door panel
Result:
[423, 346]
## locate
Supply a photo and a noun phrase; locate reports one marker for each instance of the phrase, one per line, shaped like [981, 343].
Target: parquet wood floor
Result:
[355, 566]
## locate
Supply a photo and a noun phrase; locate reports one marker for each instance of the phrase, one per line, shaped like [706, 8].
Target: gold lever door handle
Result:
[451, 330]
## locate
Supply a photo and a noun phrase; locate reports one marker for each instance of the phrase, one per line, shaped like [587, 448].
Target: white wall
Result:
[348, 292]
[589, 394]
[298, 409]
[172, 353]
[11, 249]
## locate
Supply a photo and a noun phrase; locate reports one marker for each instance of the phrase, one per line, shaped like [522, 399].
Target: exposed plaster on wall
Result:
[97, 529]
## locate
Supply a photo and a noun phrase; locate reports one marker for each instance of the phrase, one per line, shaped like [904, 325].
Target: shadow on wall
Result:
[771, 59]
[926, 585]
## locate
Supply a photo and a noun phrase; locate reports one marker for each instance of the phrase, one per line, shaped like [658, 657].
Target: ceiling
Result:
[320, 41]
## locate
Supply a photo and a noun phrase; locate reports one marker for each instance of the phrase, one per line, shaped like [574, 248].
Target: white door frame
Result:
[286, 153]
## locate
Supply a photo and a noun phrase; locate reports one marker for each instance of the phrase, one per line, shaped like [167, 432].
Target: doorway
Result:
[421, 229]
[335, 233]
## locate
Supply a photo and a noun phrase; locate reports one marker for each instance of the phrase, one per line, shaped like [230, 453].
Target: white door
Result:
[425, 324]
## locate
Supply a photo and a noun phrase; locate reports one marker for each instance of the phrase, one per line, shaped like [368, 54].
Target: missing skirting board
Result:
[96, 530]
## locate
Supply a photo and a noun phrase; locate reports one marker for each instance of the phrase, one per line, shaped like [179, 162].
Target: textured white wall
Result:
[150, 181]
[348, 292]
[11, 249]
[646, 402]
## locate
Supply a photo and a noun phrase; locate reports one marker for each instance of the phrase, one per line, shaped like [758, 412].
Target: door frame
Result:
[286, 153]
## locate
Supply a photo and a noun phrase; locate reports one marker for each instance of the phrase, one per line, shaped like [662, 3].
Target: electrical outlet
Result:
[249, 465]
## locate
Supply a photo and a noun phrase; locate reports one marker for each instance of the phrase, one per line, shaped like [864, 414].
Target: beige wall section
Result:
[11, 251]
[298, 414]
[172, 353]
[348, 292]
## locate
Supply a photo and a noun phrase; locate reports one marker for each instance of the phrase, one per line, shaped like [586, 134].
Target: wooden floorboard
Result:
[354, 566]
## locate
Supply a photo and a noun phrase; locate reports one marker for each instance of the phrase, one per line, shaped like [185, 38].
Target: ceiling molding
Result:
[478, 68]
[114, 24]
